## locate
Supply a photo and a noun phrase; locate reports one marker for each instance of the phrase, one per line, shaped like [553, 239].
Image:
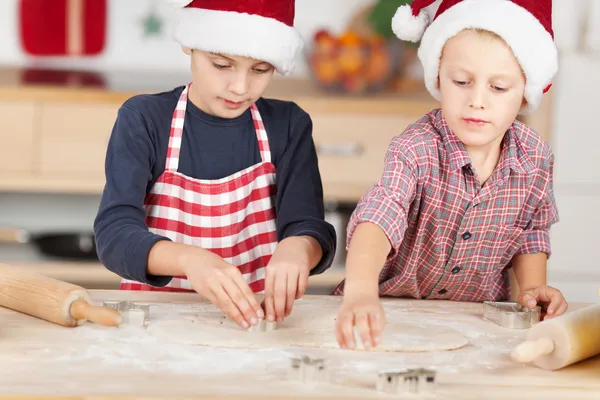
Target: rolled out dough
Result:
[307, 326]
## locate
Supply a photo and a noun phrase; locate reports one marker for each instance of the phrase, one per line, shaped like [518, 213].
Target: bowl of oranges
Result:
[352, 64]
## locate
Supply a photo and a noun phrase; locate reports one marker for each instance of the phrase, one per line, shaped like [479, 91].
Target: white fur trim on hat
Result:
[240, 34]
[408, 27]
[531, 44]
[178, 3]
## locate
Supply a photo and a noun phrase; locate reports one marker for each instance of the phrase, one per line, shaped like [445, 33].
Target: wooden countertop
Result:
[116, 87]
[43, 359]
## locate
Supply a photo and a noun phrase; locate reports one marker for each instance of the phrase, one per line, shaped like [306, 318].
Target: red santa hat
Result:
[259, 29]
[525, 25]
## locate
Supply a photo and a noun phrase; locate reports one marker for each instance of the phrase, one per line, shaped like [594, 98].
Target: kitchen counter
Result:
[43, 359]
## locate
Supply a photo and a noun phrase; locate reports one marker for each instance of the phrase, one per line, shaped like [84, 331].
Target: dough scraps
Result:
[306, 327]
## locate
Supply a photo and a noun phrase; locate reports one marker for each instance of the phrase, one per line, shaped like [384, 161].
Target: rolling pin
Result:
[556, 343]
[50, 299]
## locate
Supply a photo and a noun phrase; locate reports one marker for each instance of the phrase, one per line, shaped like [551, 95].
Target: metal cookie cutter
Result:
[133, 313]
[510, 314]
[263, 326]
[409, 381]
[307, 370]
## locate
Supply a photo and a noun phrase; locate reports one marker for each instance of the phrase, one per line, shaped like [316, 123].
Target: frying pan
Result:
[81, 246]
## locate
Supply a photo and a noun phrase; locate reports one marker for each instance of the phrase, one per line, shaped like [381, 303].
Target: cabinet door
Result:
[74, 138]
[17, 121]
[351, 149]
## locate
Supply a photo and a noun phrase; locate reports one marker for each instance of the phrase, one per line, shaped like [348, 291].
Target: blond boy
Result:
[466, 190]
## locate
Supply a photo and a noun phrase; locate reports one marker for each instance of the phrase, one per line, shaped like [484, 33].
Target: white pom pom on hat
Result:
[178, 3]
[409, 22]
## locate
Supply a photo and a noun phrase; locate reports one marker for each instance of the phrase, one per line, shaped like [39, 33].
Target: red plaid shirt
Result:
[451, 237]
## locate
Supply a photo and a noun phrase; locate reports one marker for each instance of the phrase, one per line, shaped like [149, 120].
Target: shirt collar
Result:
[512, 156]
[515, 157]
[457, 154]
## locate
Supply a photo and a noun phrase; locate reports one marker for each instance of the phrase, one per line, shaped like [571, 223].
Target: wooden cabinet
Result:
[351, 149]
[54, 138]
[73, 138]
[17, 131]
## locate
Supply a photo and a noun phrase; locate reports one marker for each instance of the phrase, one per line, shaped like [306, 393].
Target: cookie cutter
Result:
[510, 314]
[133, 313]
[307, 369]
[418, 380]
[263, 326]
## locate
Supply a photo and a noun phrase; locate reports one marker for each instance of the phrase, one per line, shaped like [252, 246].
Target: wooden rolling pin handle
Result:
[80, 310]
[530, 350]
[12, 236]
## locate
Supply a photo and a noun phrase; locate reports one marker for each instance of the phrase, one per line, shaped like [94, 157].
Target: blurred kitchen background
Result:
[67, 65]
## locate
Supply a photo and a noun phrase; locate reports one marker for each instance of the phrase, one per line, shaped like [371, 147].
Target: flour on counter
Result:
[198, 340]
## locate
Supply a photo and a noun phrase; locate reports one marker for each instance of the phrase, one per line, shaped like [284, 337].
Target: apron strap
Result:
[173, 150]
[261, 134]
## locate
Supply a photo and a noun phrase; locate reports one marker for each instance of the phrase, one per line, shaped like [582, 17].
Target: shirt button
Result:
[443, 291]
[455, 270]
[466, 235]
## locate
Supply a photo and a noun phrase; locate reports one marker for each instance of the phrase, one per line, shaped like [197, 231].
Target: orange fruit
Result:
[350, 39]
[378, 66]
[326, 70]
[351, 59]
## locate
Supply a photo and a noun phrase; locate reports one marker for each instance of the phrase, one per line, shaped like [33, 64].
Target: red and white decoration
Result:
[525, 25]
[259, 29]
[63, 27]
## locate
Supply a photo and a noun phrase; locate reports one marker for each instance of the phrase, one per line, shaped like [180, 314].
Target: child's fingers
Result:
[209, 295]
[240, 301]
[528, 299]
[269, 292]
[554, 297]
[302, 283]
[292, 289]
[346, 325]
[339, 335]
[280, 294]
[226, 304]
[250, 298]
[377, 323]
[562, 308]
[364, 330]
[557, 303]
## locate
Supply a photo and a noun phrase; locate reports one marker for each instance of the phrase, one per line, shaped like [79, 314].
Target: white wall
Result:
[576, 144]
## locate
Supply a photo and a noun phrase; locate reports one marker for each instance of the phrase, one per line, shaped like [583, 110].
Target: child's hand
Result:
[222, 284]
[287, 276]
[550, 299]
[365, 312]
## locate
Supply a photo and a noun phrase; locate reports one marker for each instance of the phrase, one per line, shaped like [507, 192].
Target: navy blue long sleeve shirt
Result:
[212, 148]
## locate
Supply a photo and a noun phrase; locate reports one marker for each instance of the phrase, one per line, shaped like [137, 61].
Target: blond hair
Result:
[485, 34]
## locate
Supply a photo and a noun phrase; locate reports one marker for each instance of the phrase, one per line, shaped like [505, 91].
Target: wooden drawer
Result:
[17, 121]
[351, 147]
[74, 138]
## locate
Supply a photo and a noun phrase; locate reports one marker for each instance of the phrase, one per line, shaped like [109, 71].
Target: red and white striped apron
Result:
[233, 217]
